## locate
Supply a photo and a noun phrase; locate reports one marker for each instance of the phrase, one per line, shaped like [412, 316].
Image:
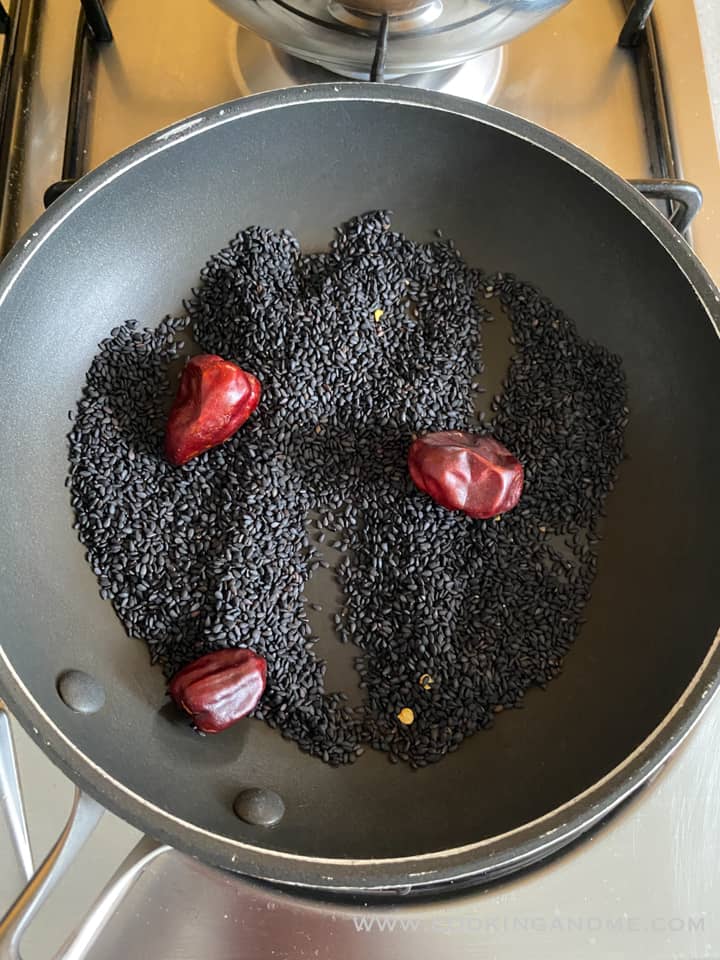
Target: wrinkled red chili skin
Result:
[214, 399]
[466, 471]
[220, 688]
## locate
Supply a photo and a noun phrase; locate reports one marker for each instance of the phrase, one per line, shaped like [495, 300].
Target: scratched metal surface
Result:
[644, 885]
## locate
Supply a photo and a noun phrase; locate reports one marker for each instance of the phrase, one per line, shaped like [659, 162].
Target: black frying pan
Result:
[128, 241]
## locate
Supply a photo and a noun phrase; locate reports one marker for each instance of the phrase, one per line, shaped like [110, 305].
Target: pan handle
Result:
[11, 796]
[84, 817]
[76, 947]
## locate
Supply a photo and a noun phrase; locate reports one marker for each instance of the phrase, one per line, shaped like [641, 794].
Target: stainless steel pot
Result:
[392, 7]
[341, 35]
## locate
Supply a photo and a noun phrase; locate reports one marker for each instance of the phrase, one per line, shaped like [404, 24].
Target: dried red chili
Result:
[214, 399]
[465, 471]
[220, 688]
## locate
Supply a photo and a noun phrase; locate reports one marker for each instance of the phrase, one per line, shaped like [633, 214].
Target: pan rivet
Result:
[81, 692]
[260, 807]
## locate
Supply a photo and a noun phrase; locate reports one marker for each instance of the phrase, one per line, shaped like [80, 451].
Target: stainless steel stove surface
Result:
[644, 884]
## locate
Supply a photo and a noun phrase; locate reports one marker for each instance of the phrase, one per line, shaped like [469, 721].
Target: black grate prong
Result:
[377, 73]
[635, 23]
[93, 29]
[97, 20]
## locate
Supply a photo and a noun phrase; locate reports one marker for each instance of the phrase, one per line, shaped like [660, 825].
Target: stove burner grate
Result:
[682, 200]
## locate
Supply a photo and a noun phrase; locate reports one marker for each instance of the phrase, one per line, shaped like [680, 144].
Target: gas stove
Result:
[76, 88]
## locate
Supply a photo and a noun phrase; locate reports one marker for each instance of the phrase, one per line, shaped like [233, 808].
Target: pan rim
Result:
[483, 859]
[649, 765]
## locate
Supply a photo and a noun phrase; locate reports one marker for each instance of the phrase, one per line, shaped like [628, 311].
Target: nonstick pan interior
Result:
[131, 245]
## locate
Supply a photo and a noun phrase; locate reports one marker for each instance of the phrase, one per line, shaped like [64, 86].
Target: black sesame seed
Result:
[216, 553]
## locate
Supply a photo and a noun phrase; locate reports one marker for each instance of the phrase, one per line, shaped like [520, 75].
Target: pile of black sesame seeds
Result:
[358, 349]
